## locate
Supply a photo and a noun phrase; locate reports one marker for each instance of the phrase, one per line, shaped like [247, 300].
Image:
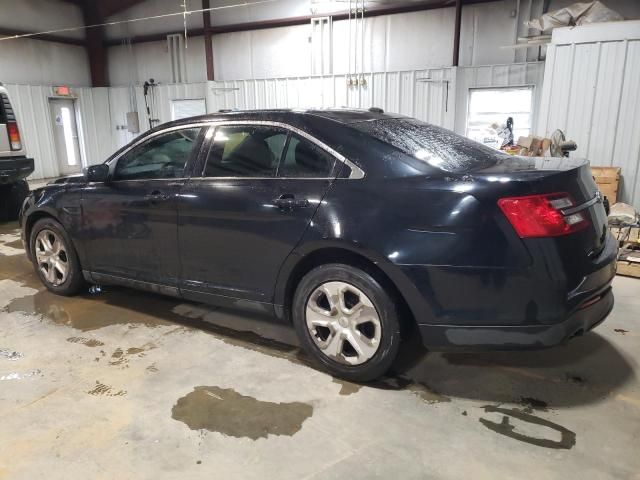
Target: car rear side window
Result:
[245, 151]
[304, 159]
[439, 147]
[163, 156]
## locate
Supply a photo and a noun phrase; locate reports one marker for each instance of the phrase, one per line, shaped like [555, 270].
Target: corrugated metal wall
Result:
[424, 94]
[99, 112]
[123, 99]
[32, 106]
[592, 93]
[437, 95]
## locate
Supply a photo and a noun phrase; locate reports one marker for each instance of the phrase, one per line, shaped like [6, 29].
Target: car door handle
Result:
[156, 196]
[289, 202]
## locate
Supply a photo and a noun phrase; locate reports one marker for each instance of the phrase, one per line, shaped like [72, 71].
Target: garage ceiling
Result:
[106, 8]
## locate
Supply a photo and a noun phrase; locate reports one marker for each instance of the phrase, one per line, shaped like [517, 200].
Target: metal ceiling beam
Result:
[96, 48]
[107, 8]
[291, 21]
[456, 33]
[208, 47]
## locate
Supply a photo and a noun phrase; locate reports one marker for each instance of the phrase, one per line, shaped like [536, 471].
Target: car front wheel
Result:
[54, 258]
[347, 322]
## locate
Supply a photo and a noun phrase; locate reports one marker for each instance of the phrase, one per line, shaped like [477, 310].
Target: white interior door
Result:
[65, 135]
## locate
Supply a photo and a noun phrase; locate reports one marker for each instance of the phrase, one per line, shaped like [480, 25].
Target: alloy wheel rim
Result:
[343, 323]
[51, 255]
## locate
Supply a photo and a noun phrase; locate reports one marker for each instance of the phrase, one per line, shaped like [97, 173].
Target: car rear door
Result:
[129, 222]
[259, 188]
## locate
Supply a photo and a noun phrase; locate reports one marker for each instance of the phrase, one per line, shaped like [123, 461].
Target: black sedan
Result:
[359, 227]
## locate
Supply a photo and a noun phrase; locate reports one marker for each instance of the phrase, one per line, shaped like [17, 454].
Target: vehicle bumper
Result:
[565, 313]
[519, 337]
[13, 169]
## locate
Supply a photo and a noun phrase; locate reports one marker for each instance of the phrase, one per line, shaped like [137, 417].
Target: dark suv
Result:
[14, 164]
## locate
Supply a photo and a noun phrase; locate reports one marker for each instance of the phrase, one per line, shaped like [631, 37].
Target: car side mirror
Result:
[97, 173]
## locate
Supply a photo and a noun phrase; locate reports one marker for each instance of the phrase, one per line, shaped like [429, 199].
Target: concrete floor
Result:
[124, 384]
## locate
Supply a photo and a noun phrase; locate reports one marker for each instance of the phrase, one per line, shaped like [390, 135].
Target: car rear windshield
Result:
[439, 147]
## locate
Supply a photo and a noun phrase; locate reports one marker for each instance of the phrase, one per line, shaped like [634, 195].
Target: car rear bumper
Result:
[13, 169]
[520, 337]
[566, 313]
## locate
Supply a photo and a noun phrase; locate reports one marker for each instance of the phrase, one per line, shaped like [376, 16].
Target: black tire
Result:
[385, 308]
[74, 281]
[11, 198]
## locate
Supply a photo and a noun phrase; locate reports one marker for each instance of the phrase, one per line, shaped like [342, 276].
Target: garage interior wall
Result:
[39, 62]
[591, 92]
[407, 68]
[403, 41]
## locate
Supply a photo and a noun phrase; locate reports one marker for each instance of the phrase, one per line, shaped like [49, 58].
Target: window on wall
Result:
[188, 108]
[489, 109]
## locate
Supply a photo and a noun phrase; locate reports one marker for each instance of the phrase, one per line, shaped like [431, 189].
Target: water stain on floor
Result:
[20, 376]
[228, 412]
[121, 357]
[530, 404]
[346, 387]
[421, 389]
[104, 390]
[89, 342]
[87, 312]
[506, 428]
[15, 244]
[9, 354]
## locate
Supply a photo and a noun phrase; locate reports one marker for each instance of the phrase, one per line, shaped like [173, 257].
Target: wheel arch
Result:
[30, 221]
[339, 254]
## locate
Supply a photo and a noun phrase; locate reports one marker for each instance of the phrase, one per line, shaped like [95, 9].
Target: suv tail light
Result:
[541, 215]
[14, 136]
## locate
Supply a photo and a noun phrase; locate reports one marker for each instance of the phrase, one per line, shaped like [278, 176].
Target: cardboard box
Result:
[607, 179]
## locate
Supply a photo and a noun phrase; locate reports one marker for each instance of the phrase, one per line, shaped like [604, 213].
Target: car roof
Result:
[292, 116]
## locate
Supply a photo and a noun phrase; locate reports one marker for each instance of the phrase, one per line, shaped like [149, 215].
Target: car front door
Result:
[129, 221]
[259, 189]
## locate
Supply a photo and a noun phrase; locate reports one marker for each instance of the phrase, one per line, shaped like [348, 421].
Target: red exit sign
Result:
[62, 91]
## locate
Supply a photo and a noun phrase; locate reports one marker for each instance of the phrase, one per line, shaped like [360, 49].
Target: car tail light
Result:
[14, 136]
[541, 215]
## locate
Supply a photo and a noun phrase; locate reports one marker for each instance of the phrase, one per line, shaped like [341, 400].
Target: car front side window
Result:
[163, 156]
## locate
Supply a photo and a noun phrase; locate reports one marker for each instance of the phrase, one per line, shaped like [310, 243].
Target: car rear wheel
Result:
[347, 322]
[54, 258]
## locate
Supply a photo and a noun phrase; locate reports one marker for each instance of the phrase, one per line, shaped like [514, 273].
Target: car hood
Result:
[75, 178]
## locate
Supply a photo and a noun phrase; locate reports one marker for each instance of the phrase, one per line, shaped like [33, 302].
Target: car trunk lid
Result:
[543, 176]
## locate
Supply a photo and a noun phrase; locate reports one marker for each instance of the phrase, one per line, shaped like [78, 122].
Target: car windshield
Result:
[439, 147]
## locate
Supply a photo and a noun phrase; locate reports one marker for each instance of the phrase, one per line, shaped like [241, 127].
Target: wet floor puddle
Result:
[20, 375]
[86, 313]
[228, 412]
[8, 354]
[397, 383]
[545, 429]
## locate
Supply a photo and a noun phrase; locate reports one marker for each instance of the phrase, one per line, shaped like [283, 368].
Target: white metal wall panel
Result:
[96, 139]
[591, 93]
[400, 92]
[32, 106]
